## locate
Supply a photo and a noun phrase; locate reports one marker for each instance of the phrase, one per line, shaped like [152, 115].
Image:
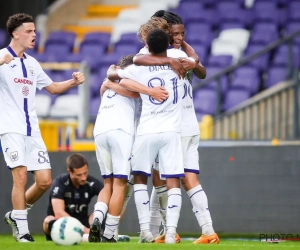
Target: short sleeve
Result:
[144, 51]
[57, 189]
[43, 80]
[130, 72]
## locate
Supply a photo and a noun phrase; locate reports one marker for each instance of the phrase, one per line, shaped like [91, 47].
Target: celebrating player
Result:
[23, 146]
[189, 131]
[158, 132]
[71, 194]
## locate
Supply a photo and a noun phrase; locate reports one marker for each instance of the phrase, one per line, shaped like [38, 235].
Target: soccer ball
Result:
[67, 231]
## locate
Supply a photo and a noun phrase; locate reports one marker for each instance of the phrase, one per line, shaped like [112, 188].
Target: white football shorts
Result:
[190, 153]
[167, 146]
[22, 150]
[113, 151]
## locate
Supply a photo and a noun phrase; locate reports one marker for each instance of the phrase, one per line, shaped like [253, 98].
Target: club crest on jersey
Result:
[31, 71]
[25, 90]
[14, 156]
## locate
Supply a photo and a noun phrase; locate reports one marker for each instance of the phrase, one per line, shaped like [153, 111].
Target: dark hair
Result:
[76, 161]
[170, 17]
[126, 61]
[158, 41]
[16, 21]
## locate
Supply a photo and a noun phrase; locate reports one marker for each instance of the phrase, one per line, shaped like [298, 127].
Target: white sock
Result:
[141, 198]
[28, 206]
[100, 210]
[111, 224]
[200, 209]
[173, 210]
[116, 233]
[129, 191]
[155, 219]
[162, 193]
[20, 216]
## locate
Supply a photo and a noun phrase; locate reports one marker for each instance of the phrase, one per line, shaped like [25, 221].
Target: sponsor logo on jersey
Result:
[86, 195]
[23, 81]
[68, 195]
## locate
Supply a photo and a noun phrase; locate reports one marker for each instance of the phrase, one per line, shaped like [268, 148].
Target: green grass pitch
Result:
[8, 243]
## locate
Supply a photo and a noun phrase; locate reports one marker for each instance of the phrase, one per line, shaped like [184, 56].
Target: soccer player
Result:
[71, 194]
[24, 149]
[158, 133]
[189, 132]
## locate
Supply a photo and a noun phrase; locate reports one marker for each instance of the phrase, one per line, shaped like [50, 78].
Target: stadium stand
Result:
[221, 32]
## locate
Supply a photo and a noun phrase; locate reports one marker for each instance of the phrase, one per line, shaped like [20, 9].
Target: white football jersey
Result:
[18, 82]
[189, 125]
[115, 112]
[157, 117]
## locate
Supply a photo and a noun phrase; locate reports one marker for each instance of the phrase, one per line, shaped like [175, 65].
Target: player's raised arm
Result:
[112, 73]
[61, 87]
[158, 93]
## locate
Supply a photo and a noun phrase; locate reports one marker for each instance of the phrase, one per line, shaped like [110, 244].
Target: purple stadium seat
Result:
[266, 12]
[205, 101]
[262, 26]
[231, 25]
[97, 38]
[294, 11]
[291, 28]
[93, 49]
[199, 116]
[220, 61]
[190, 6]
[96, 81]
[56, 51]
[129, 38]
[62, 36]
[110, 59]
[263, 37]
[275, 75]
[126, 49]
[246, 72]
[94, 106]
[204, 39]
[72, 91]
[250, 84]
[234, 97]
[198, 28]
[260, 63]
[206, 16]
[210, 71]
[37, 41]
[281, 57]
[40, 57]
[3, 38]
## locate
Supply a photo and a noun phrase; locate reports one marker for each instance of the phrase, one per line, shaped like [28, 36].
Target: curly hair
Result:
[126, 61]
[170, 17]
[157, 41]
[16, 21]
[153, 23]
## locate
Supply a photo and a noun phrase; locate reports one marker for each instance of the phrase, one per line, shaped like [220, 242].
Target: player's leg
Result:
[37, 160]
[47, 226]
[158, 201]
[42, 183]
[101, 207]
[121, 146]
[195, 191]
[14, 149]
[144, 151]
[171, 168]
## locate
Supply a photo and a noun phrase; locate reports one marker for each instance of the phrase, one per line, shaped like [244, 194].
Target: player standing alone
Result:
[23, 146]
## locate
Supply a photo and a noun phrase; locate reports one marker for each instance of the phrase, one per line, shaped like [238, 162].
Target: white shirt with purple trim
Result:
[18, 82]
[157, 117]
[189, 124]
